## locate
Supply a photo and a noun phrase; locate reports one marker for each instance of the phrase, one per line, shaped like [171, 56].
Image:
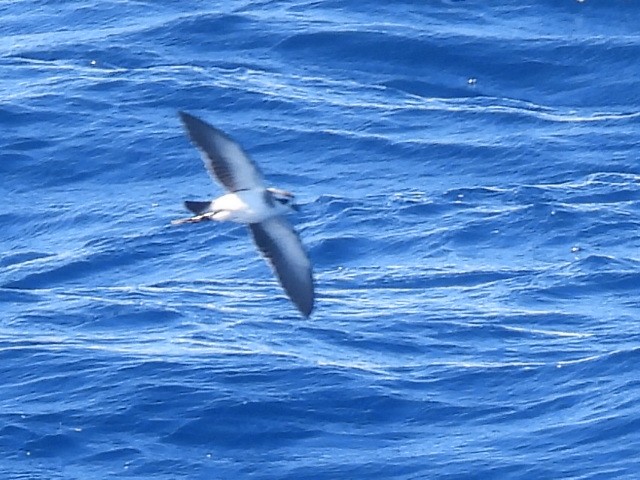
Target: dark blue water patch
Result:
[478, 196]
[214, 31]
[176, 466]
[608, 233]
[117, 253]
[113, 454]
[21, 257]
[345, 47]
[14, 115]
[357, 221]
[416, 162]
[71, 164]
[106, 85]
[88, 54]
[214, 100]
[536, 69]
[598, 263]
[402, 347]
[128, 315]
[331, 408]
[594, 415]
[604, 194]
[337, 250]
[17, 296]
[249, 431]
[351, 216]
[60, 274]
[53, 445]
[420, 278]
[571, 280]
[217, 33]
[599, 14]
[602, 228]
[581, 286]
[13, 438]
[439, 158]
[243, 101]
[81, 19]
[424, 209]
[195, 285]
[540, 324]
[614, 362]
[26, 144]
[596, 188]
[18, 232]
[40, 385]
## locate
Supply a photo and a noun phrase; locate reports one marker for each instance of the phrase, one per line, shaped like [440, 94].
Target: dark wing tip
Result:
[306, 308]
[306, 301]
[302, 297]
[203, 134]
[191, 122]
[301, 293]
[295, 278]
[184, 116]
[302, 301]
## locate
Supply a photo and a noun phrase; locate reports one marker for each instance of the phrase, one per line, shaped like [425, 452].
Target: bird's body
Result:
[249, 202]
[247, 206]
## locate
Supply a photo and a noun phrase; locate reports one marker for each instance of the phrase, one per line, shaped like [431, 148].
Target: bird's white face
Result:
[284, 201]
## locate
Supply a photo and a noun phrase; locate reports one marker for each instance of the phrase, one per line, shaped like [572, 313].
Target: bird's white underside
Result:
[247, 206]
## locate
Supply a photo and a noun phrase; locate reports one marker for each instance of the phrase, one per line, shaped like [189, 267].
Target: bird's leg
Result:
[196, 219]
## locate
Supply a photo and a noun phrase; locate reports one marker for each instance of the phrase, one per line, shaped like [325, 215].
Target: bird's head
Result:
[284, 201]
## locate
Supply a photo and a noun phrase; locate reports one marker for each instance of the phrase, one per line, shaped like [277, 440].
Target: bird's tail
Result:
[202, 211]
[197, 207]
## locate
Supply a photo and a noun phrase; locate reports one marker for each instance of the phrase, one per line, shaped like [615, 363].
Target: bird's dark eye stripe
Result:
[282, 200]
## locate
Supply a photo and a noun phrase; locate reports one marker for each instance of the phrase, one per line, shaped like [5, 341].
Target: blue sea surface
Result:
[469, 177]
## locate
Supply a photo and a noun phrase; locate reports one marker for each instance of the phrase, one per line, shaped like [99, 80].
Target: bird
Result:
[249, 201]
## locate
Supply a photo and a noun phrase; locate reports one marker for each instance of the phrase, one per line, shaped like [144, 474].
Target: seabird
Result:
[250, 202]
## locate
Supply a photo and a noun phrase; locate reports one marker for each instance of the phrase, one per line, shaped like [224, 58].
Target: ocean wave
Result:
[469, 190]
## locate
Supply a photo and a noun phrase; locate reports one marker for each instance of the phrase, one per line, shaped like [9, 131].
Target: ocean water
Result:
[469, 178]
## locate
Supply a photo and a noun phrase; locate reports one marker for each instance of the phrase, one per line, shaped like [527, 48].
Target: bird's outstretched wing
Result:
[224, 158]
[281, 246]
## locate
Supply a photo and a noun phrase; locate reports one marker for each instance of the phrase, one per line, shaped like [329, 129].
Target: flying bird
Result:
[250, 202]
